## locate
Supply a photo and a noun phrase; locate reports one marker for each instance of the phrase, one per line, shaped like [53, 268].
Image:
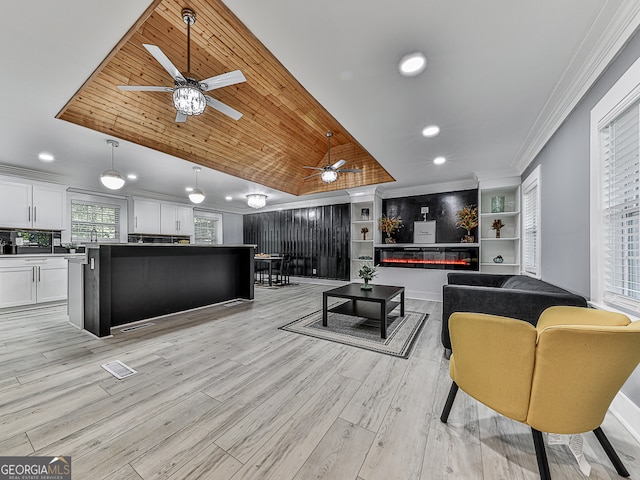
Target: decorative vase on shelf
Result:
[389, 239]
[468, 238]
[364, 236]
[498, 259]
[497, 233]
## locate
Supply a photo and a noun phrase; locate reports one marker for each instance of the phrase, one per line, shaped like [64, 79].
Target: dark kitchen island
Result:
[124, 283]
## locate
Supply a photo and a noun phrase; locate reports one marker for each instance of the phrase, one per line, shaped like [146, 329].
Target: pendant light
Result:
[112, 178]
[197, 196]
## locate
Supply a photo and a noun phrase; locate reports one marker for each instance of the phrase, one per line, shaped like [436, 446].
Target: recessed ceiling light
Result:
[439, 160]
[413, 64]
[228, 199]
[189, 189]
[132, 176]
[46, 157]
[430, 131]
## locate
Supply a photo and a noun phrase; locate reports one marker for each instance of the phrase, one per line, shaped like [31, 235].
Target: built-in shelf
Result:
[360, 247]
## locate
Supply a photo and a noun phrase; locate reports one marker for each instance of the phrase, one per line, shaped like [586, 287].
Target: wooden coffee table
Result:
[374, 304]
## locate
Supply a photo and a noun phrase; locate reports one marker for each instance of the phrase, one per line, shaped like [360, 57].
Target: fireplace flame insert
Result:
[441, 258]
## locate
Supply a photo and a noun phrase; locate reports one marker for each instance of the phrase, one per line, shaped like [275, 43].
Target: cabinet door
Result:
[51, 282]
[146, 217]
[18, 286]
[168, 219]
[15, 204]
[185, 220]
[48, 207]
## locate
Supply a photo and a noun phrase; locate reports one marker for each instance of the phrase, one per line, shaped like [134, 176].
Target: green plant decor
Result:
[367, 273]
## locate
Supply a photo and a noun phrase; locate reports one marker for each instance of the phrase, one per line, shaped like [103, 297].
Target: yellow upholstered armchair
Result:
[558, 377]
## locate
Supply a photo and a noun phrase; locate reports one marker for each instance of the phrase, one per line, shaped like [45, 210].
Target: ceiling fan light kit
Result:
[196, 195]
[256, 200]
[111, 178]
[188, 93]
[329, 173]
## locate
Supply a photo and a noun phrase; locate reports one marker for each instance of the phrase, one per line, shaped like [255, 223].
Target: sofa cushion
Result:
[522, 282]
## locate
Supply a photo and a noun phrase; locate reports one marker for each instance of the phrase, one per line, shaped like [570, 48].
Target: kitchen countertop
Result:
[42, 255]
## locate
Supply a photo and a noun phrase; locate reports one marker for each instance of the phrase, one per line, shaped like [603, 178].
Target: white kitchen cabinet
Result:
[27, 281]
[32, 205]
[176, 220]
[144, 216]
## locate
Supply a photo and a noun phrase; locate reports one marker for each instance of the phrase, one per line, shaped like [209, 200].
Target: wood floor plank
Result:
[339, 454]
[17, 445]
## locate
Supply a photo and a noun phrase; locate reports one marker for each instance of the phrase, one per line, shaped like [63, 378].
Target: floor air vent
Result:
[136, 327]
[119, 369]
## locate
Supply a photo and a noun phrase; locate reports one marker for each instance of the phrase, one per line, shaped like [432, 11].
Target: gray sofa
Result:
[515, 296]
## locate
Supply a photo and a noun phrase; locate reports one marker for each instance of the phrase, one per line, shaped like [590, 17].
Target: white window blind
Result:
[619, 149]
[530, 229]
[206, 230]
[94, 222]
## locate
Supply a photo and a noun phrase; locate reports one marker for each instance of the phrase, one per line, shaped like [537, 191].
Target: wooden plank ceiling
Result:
[282, 129]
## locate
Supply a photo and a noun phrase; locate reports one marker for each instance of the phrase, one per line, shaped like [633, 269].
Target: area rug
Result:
[360, 332]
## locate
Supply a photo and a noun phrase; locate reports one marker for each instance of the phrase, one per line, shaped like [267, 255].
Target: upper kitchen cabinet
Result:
[32, 205]
[154, 217]
[176, 219]
[144, 216]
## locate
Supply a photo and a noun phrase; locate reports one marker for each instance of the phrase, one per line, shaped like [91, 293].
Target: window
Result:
[620, 205]
[94, 222]
[615, 195]
[207, 228]
[531, 224]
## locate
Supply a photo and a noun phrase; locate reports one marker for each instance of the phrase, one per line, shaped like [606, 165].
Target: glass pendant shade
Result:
[188, 99]
[197, 196]
[112, 179]
[256, 200]
[329, 176]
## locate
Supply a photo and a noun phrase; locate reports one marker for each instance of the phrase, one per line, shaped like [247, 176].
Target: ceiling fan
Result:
[188, 93]
[329, 173]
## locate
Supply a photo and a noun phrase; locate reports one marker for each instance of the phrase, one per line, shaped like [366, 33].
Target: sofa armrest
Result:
[519, 304]
[476, 279]
[563, 315]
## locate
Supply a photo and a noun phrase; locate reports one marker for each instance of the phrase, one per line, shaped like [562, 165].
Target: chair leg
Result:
[541, 454]
[611, 453]
[447, 406]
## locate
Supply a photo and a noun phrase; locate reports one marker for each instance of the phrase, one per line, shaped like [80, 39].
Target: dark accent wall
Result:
[443, 208]
[316, 237]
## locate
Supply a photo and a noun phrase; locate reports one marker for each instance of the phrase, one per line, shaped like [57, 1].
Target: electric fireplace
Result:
[441, 258]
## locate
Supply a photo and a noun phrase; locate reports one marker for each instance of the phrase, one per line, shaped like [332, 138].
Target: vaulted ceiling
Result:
[283, 128]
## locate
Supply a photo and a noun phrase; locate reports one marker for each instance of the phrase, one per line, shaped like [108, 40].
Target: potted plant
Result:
[71, 247]
[389, 225]
[366, 273]
[497, 225]
[364, 231]
[467, 219]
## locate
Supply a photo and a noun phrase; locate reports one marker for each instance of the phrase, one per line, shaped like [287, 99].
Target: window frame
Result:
[622, 95]
[532, 181]
[210, 216]
[101, 200]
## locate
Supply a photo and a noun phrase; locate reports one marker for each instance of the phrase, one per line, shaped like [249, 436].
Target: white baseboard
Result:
[628, 413]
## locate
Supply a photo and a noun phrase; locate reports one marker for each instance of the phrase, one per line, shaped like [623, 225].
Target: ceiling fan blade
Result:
[164, 61]
[338, 164]
[353, 170]
[314, 175]
[313, 168]
[181, 117]
[144, 88]
[223, 80]
[221, 107]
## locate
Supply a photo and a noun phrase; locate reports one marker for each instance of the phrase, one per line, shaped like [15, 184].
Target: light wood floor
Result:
[221, 393]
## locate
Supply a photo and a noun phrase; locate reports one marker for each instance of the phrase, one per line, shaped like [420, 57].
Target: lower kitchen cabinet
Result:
[27, 281]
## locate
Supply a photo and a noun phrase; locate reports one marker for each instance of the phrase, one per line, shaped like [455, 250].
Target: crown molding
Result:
[28, 174]
[427, 189]
[580, 75]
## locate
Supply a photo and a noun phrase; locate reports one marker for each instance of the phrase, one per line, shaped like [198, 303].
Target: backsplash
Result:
[31, 241]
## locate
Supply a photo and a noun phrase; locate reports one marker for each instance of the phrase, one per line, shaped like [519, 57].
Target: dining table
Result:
[269, 260]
